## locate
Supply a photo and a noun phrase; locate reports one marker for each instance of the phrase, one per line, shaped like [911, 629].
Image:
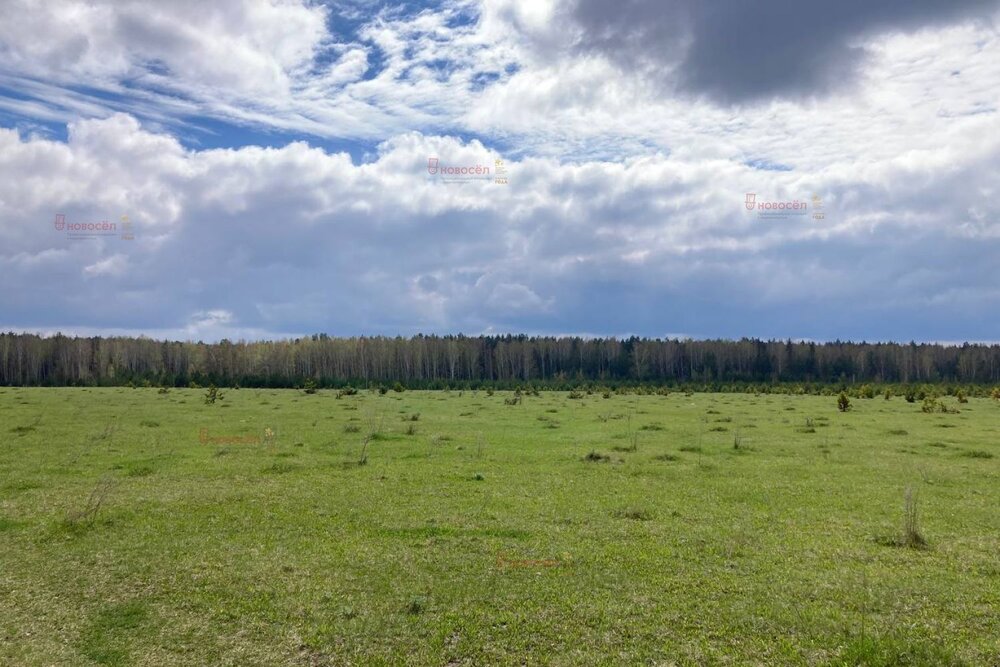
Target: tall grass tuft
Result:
[88, 514]
[912, 537]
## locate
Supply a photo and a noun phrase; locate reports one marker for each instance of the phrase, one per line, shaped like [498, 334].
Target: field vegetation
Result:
[247, 526]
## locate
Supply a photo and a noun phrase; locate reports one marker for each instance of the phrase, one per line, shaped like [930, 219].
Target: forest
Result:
[471, 361]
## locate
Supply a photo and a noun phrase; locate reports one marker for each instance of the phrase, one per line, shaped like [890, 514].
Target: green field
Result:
[626, 530]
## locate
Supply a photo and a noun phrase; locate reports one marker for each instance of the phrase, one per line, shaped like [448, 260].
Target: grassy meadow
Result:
[146, 528]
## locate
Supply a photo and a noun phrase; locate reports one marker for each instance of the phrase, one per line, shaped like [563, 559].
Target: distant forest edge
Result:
[438, 362]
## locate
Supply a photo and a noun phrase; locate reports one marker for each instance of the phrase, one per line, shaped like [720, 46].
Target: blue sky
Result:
[271, 158]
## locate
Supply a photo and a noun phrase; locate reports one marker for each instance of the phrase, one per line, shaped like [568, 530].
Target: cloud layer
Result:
[630, 140]
[297, 240]
[738, 51]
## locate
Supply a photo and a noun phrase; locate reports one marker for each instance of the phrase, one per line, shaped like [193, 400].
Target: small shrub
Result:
[575, 394]
[212, 395]
[931, 405]
[347, 391]
[363, 458]
[351, 428]
[398, 388]
[596, 457]
[88, 513]
[866, 391]
[912, 537]
[960, 395]
[843, 402]
[309, 386]
[411, 430]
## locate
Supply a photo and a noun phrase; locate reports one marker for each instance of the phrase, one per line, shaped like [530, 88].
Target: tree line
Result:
[470, 361]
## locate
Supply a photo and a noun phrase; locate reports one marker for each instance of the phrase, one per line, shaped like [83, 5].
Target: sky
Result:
[682, 168]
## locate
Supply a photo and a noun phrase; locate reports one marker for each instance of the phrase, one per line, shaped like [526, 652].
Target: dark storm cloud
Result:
[738, 51]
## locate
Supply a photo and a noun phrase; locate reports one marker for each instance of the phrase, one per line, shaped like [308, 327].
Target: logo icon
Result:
[751, 200]
[818, 207]
[60, 222]
[127, 234]
[432, 166]
[501, 177]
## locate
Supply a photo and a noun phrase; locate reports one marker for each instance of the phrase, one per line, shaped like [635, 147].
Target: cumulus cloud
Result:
[262, 241]
[249, 47]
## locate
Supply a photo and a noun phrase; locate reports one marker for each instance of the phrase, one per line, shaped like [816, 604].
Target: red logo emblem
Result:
[432, 166]
[751, 200]
[60, 222]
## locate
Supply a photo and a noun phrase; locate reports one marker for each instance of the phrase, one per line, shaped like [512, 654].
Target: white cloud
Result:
[114, 265]
[274, 240]
[624, 205]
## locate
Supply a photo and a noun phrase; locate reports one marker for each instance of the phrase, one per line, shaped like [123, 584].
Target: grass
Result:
[125, 540]
[978, 454]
